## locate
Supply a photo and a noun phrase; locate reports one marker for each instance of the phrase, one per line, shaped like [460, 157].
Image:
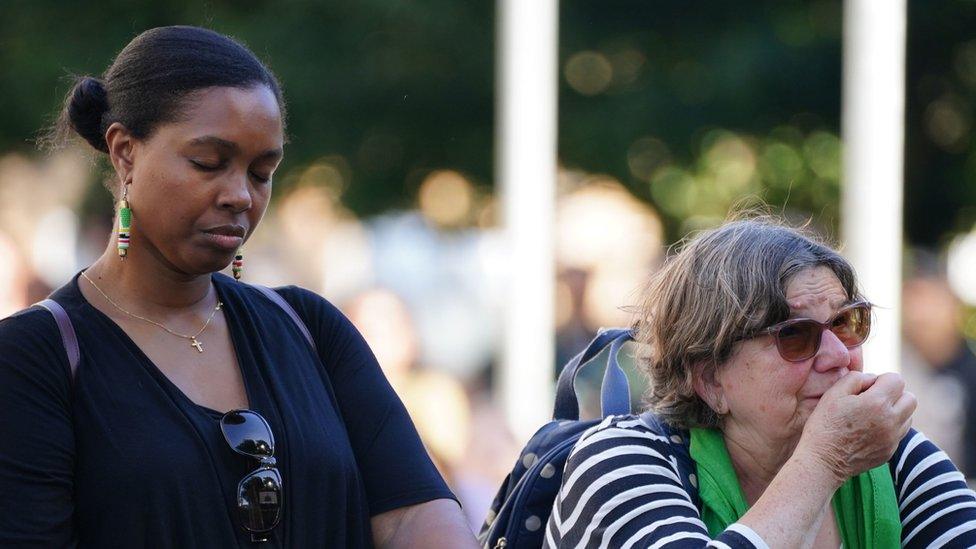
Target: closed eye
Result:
[260, 178]
[205, 166]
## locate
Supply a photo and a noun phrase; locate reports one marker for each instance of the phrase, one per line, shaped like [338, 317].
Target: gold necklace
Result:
[194, 342]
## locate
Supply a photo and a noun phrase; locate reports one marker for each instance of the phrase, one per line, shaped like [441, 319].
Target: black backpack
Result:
[521, 508]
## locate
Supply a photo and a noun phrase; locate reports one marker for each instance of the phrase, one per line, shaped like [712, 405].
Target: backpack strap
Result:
[68, 336]
[614, 391]
[681, 448]
[276, 298]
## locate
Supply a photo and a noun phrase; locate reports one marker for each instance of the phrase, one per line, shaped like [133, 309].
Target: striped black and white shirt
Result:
[626, 486]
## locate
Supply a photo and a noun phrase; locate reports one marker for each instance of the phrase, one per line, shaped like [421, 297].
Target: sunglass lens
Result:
[259, 500]
[798, 341]
[852, 326]
[248, 433]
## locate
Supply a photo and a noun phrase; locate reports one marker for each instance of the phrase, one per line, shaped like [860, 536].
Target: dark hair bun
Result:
[87, 108]
[150, 79]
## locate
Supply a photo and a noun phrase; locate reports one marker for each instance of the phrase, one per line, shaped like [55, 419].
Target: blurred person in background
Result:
[763, 430]
[467, 440]
[435, 401]
[188, 379]
[13, 277]
[938, 363]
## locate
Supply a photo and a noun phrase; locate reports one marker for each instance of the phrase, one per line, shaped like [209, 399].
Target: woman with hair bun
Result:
[199, 411]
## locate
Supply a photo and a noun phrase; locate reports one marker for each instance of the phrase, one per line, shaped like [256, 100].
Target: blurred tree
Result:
[940, 149]
[390, 89]
[690, 105]
[695, 104]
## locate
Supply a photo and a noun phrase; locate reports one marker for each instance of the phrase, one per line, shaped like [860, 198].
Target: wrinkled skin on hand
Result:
[858, 423]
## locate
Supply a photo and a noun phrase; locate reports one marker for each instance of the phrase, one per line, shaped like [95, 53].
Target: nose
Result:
[833, 353]
[235, 194]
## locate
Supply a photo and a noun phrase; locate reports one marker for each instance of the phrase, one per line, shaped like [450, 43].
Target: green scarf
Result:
[865, 506]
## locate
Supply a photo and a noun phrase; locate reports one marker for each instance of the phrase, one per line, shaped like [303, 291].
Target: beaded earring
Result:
[125, 222]
[238, 264]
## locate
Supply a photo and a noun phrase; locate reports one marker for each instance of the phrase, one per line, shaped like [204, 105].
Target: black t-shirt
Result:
[122, 458]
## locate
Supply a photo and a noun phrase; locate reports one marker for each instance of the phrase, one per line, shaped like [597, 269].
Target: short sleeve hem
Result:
[408, 499]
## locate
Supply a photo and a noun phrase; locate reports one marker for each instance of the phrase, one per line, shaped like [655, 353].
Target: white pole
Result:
[873, 132]
[526, 163]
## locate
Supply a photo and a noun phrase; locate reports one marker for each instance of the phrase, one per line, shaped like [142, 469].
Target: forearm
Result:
[436, 524]
[792, 507]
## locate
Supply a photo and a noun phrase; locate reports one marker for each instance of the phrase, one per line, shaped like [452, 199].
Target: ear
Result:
[709, 388]
[121, 145]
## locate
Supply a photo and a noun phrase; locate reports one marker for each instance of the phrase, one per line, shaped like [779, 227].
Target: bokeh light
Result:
[446, 198]
[589, 72]
[961, 267]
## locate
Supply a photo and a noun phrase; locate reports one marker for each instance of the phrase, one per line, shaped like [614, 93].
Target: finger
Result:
[904, 428]
[891, 385]
[867, 380]
[905, 406]
[904, 409]
[850, 384]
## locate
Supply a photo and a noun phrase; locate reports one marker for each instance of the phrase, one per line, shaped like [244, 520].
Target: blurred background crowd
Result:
[670, 114]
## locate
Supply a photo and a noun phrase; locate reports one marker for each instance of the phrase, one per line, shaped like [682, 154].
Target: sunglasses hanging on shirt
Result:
[259, 492]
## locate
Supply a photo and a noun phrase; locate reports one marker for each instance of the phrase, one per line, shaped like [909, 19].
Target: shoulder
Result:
[621, 440]
[31, 329]
[332, 331]
[307, 301]
[324, 319]
[312, 307]
[301, 299]
[626, 429]
[31, 351]
[624, 475]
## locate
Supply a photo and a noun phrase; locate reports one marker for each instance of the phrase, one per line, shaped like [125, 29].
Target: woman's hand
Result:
[858, 424]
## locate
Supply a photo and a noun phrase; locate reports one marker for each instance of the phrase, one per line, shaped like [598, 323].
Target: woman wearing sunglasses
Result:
[763, 430]
[200, 414]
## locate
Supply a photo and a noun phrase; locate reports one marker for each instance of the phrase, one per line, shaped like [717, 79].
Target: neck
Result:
[756, 457]
[145, 281]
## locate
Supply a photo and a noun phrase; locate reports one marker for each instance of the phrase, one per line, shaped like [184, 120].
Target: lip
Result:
[227, 230]
[229, 237]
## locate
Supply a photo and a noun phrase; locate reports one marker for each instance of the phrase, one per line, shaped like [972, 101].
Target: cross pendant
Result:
[195, 343]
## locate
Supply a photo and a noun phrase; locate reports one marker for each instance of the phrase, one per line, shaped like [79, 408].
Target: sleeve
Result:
[937, 508]
[380, 429]
[36, 435]
[621, 488]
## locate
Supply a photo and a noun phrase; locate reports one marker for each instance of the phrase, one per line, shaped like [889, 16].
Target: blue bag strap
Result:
[68, 336]
[615, 391]
[276, 298]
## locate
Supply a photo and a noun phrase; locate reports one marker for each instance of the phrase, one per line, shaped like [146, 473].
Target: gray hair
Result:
[724, 284]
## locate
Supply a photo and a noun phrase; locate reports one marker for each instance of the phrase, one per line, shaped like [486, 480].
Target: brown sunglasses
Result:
[798, 339]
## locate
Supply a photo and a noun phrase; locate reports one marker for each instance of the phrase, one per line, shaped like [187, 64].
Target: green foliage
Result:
[707, 102]
[393, 87]
[689, 104]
